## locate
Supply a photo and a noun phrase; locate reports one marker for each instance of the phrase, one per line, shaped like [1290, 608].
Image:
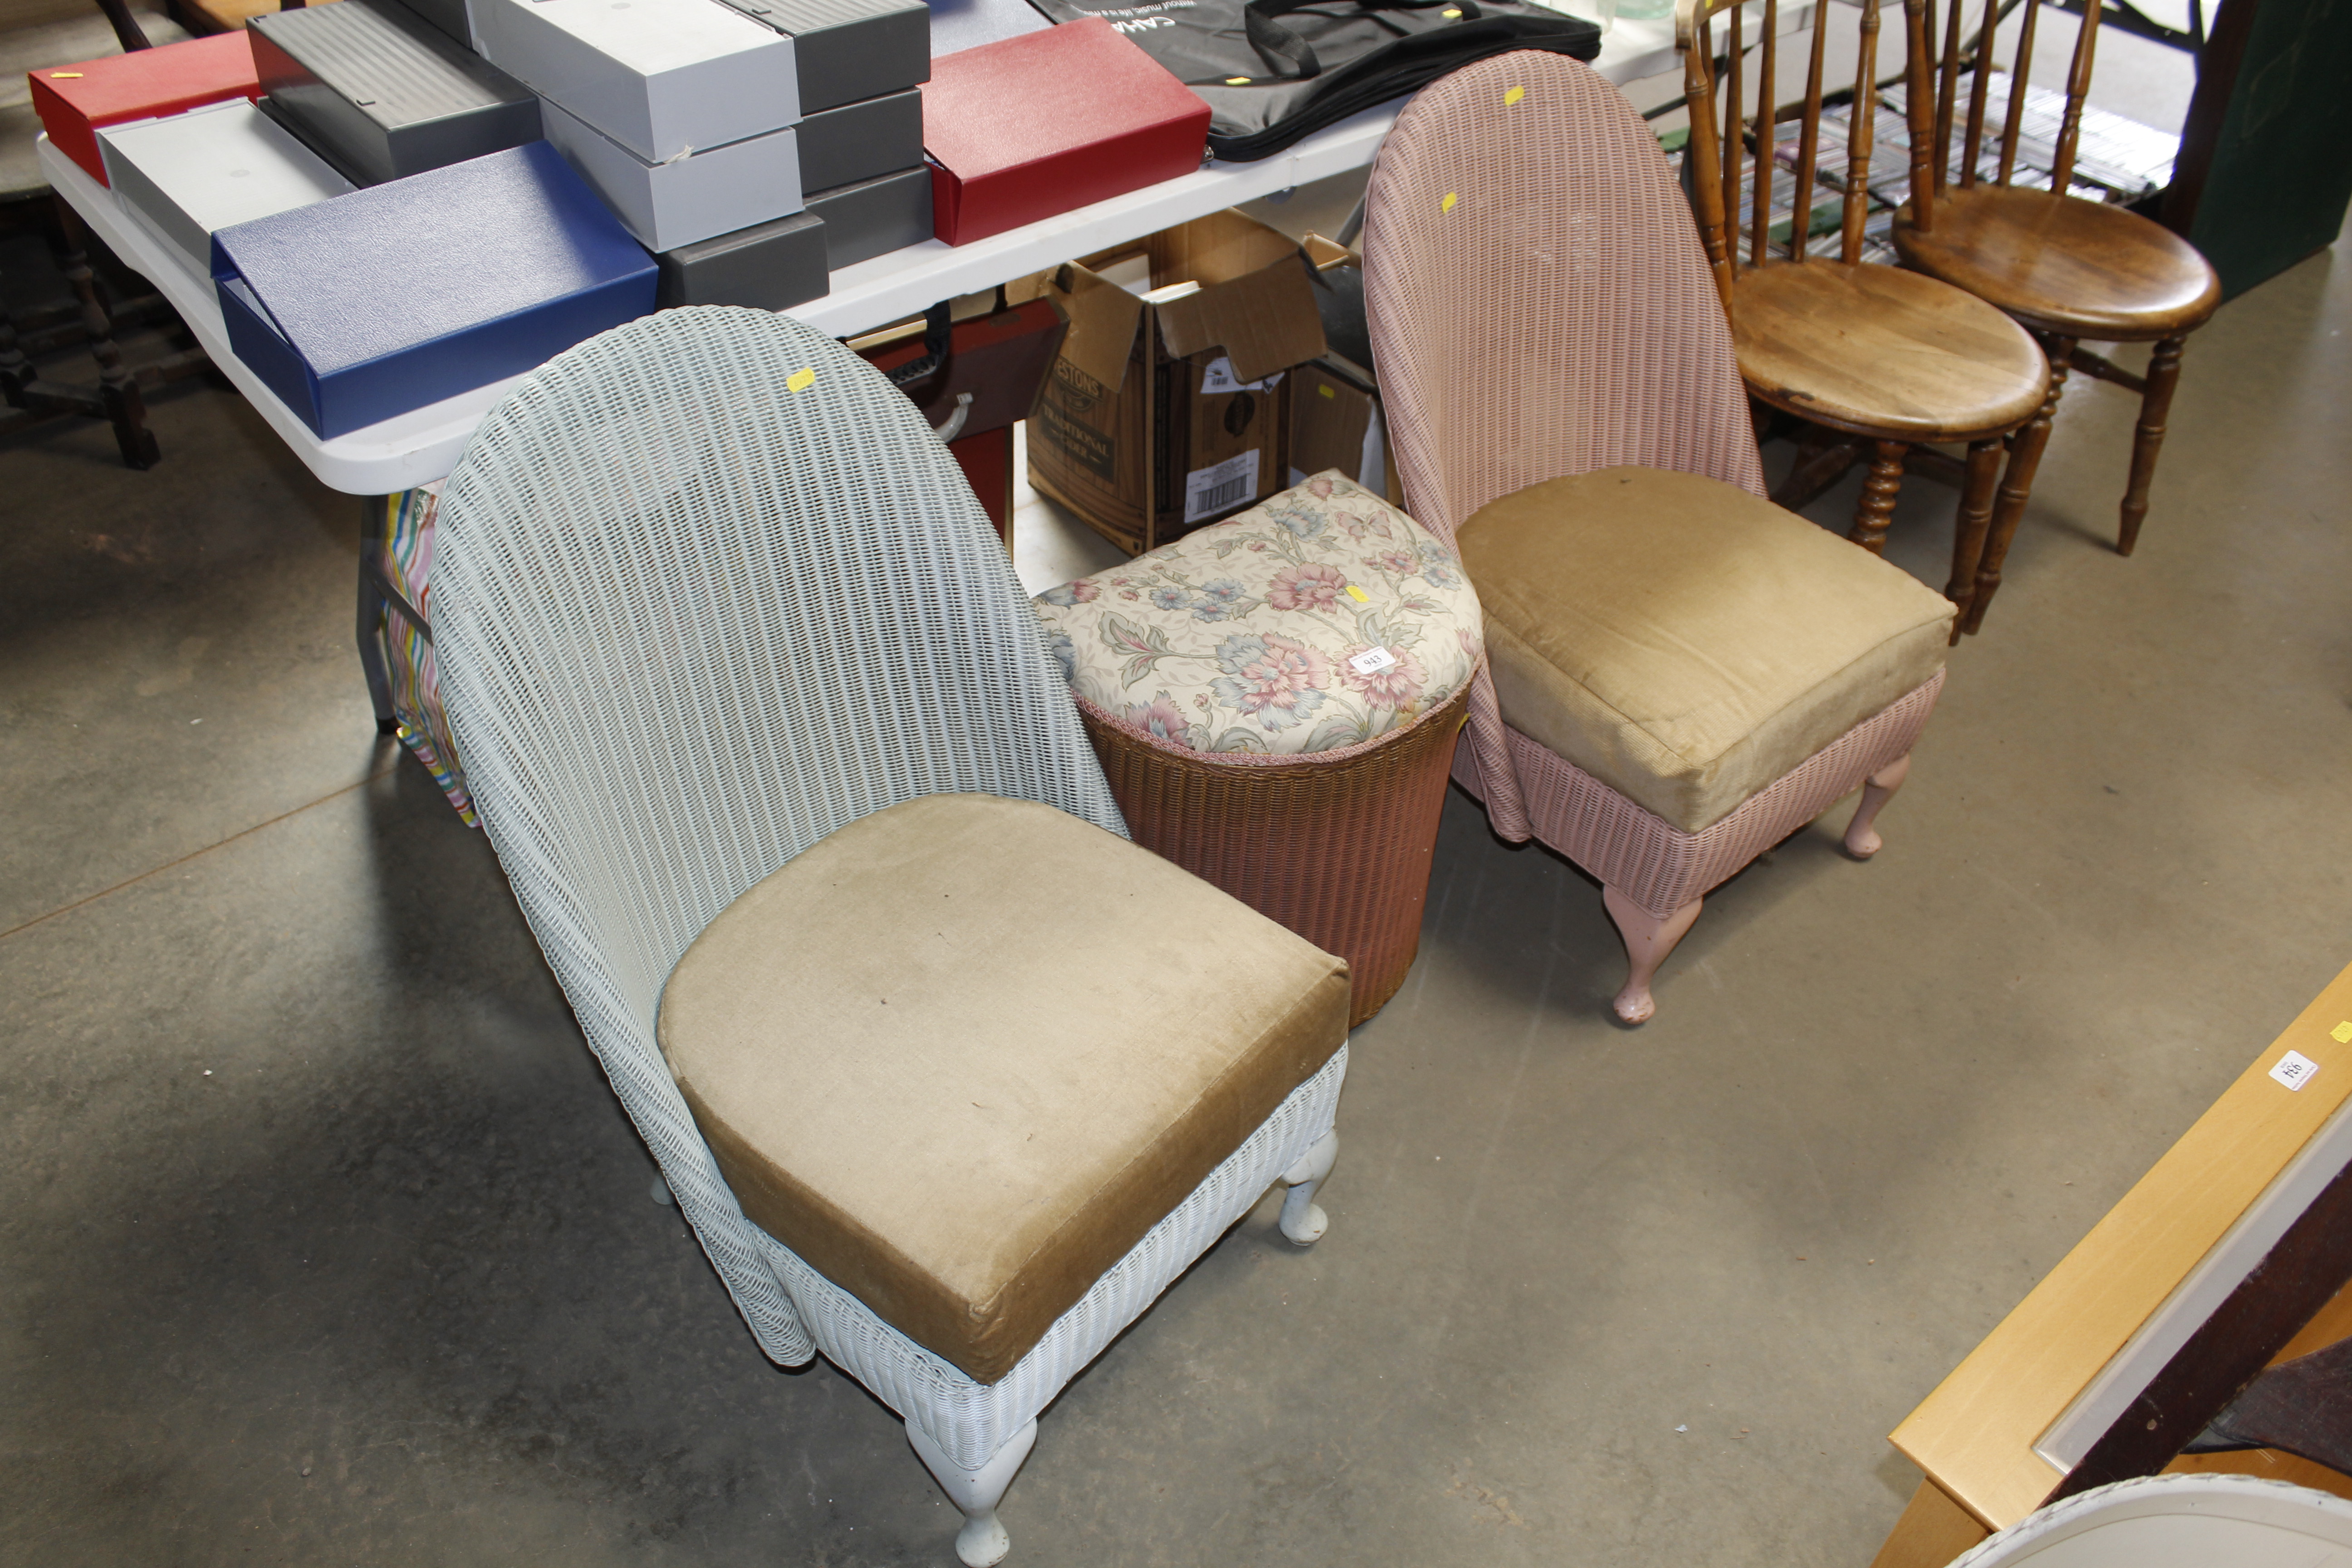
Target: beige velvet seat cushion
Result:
[1684, 642]
[963, 1053]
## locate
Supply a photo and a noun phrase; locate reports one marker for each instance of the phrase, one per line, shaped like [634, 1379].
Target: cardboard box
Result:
[848, 50]
[74, 100]
[659, 77]
[862, 141]
[771, 267]
[1336, 420]
[697, 197]
[382, 302]
[1171, 410]
[381, 94]
[1040, 124]
[184, 175]
[875, 217]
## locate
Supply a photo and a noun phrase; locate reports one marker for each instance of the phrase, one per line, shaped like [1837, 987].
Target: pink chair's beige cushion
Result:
[961, 1055]
[1684, 642]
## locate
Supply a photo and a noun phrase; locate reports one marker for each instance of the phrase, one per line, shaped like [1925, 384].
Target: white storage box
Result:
[659, 77]
[184, 175]
[672, 204]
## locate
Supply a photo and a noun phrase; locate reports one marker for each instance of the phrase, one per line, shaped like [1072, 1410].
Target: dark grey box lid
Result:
[448, 15]
[846, 51]
[875, 217]
[860, 140]
[380, 93]
[769, 266]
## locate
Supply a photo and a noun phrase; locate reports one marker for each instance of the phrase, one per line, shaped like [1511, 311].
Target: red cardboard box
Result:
[75, 101]
[1030, 126]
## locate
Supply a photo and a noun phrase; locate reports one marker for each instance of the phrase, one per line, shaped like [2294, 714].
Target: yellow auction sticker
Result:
[1513, 96]
[800, 380]
[1447, 205]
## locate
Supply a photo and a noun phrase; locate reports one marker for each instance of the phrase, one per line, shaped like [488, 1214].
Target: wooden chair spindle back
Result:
[1724, 135]
[1978, 66]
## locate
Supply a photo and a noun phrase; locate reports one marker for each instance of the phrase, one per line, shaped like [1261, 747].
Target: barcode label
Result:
[1371, 661]
[1209, 491]
[1219, 377]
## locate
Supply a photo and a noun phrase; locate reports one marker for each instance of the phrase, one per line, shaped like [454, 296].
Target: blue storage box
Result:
[401, 294]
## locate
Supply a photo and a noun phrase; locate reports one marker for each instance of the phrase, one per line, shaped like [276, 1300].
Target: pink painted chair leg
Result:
[1861, 840]
[1648, 938]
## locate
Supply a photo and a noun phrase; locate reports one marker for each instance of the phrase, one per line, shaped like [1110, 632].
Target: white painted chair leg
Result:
[1303, 1219]
[982, 1542]
[1648, 938]
[1861, 840]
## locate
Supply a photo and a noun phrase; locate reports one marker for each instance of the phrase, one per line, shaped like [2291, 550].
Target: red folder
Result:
[75, 101]
[1030, 126]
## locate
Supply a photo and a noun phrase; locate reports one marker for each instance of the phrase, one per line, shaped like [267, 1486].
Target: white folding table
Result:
[422, 445]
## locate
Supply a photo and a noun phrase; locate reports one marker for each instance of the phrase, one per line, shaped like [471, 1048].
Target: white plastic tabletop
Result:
[424, 444]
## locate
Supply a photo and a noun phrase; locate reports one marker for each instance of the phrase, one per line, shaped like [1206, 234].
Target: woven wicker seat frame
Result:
[706, 590]
[1493, 381]
[1334, 845]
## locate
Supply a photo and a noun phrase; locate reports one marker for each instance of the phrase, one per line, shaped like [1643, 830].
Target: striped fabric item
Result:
[405, 555]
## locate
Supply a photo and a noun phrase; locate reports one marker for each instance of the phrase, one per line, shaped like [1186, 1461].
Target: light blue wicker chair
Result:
[708, 596]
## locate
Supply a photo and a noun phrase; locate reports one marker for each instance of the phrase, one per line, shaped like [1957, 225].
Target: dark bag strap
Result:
[1278, 46]
[938, 336]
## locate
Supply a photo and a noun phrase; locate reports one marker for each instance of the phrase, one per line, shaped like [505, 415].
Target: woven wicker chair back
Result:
[706, 590]
[1540, 306]
[1540, 301]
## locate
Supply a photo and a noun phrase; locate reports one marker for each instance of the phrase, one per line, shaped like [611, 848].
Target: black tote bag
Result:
[1273, 71]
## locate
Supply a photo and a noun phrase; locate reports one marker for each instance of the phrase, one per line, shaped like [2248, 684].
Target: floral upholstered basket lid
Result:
[1321, 619]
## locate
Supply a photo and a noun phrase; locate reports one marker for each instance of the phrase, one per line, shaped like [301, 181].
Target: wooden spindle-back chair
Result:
[2068, 268]
[1876, 362]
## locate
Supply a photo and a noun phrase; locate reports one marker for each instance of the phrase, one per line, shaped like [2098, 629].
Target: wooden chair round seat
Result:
[2065, 266]
[1877, 351]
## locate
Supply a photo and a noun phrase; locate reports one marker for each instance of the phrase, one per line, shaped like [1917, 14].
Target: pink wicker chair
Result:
[1541, 309]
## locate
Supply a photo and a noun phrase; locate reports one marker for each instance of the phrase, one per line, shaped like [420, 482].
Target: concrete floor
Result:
[325, 1243]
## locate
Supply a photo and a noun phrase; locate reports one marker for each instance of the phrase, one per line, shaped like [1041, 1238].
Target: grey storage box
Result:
[381, 94]
[449, 16]
[873, 217]
[676, 203]
[659, 77]
[184, 175]
[859, 141]
[849, 49]
[771, 267]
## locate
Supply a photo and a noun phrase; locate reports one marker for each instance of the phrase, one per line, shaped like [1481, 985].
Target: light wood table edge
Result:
[1974, 1435]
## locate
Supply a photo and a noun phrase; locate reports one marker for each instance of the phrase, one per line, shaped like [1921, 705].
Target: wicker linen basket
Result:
[1308, 667]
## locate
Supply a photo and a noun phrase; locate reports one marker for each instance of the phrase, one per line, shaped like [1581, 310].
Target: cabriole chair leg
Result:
[1303, 1219]
[1861, 840]
[982, 1542]
[1648, 938]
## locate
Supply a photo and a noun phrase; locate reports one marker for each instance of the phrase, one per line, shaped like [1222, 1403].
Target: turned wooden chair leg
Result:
[1648, 938]
[2155, 407]
[1303, 1220]
[125, 409]
[1969, 529]
[1876, 508]
[2009, 507]
[1861, 840]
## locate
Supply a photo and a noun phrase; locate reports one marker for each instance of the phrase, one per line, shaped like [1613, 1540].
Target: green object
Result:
[2262, 180]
